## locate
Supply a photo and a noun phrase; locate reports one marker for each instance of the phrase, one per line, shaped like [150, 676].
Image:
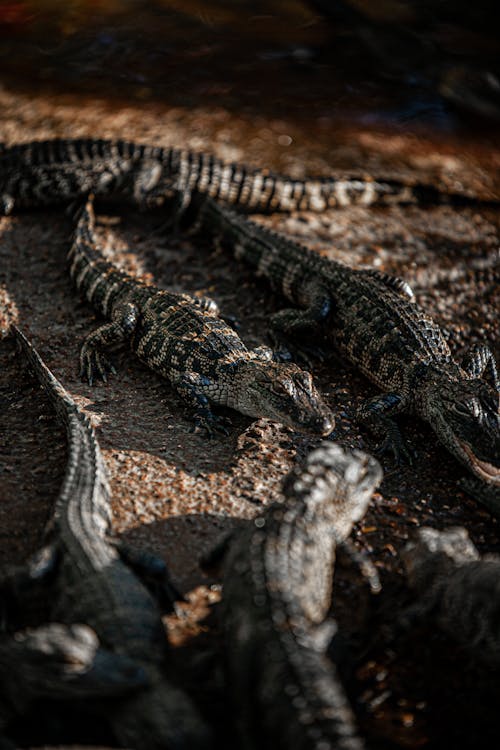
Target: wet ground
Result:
[176, 493]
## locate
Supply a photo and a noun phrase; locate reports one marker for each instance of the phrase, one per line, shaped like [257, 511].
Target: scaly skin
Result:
[182, 338]
[95, 585]
[60, 662]
[457, 589]
[276, 597]
[45, 173]
[372, 319]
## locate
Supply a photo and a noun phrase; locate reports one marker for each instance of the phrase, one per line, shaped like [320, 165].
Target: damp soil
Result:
[177, 493]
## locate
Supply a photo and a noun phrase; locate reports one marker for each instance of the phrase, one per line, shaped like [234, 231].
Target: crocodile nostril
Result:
[324, 425]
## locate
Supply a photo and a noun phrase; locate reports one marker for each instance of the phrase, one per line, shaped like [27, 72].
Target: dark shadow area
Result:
[396, 66]
[450, 699]
[32, 458]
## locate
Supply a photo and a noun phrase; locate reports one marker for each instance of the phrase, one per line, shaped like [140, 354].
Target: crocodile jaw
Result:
[483, 469]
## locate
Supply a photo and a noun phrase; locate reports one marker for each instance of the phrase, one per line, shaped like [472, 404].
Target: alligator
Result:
[93, 581]
[373, 320]
[182, 338]
[44, 173]
[276, 596]
[457, 589]
[60, 662]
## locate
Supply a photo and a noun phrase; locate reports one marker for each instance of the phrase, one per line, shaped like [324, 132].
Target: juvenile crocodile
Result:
[276, 596]
[373, 320]
[183, 339]
[43, 173]
[457, 588]
[94, 584]
[62, 662]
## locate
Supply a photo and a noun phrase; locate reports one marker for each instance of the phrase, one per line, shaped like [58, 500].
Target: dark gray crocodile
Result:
[43, 173]
[93, 583]
[373, 320]
[457, 589]
[182, 338]
[60, 662]
[277, 593]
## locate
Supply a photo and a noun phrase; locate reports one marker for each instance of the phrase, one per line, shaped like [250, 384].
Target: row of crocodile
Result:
[105, 639]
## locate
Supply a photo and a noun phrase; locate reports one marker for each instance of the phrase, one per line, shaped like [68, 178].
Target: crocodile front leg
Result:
[295, 323]
[193, 387]
[479, 361]
[377, 414]
[93, 361]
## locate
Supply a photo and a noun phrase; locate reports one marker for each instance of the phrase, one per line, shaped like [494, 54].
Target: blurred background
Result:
[393, 60]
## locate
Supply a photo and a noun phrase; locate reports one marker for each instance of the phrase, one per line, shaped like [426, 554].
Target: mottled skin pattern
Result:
[458, 589]
[94, 584]
[51, 172]
[182, 338]
[373, 321]
[276, 596]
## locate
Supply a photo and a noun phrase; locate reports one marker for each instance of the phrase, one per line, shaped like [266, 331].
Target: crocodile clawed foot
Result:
[95, 365]
[395, 445]
[303, 354]
[211, 423]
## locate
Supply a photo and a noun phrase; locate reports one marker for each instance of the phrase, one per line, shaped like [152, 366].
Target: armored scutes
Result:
[91, 582]
[373, 320]
[183, 339]
[276, 596]
[53, 172]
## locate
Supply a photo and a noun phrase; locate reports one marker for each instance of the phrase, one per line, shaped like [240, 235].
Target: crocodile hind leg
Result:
[296, 323]
[93, 361]
[153, 573]
[479, 361]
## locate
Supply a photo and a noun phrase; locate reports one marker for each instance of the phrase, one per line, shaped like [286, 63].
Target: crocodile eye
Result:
[491, 402]
[304, 381]
[462, 410]
[280, 389]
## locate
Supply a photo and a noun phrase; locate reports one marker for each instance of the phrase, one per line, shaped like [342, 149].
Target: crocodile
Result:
[94, 581]
[60, 662]
[52, 172]
[182, 338]
[373, 320]
[457, 589]
[276, 596]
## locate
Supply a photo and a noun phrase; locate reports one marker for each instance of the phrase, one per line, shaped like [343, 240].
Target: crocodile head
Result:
[465, 415]
[281, 392]
[435, 553]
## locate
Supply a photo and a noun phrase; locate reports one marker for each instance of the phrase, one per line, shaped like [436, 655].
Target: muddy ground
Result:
[175, 492]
